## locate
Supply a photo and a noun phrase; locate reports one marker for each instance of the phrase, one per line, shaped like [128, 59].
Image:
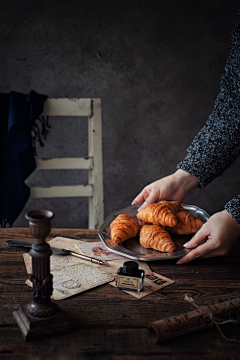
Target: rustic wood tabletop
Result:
[111, 324]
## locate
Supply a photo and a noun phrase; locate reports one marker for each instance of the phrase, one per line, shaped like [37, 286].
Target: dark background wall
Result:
[156, 65]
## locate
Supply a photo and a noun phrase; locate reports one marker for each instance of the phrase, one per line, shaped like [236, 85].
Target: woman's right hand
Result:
[172, 187]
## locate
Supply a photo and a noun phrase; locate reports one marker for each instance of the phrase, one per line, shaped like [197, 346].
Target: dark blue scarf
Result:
[18, 113]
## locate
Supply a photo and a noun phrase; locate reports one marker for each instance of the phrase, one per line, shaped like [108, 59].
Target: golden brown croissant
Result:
[162, 213]
[123, 228]
[155, 237]
[173, 205]
[187, 224]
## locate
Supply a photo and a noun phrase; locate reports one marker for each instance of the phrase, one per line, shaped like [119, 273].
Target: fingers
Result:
[138, 199]
[205, 251]
[201, 251]
[199, 238]
[152, 197]
[147, 196]
[221, 232]
[200, 245]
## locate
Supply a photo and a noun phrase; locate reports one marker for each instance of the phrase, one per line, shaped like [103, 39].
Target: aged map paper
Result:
[97, 249]
[148, 288]
[75, 279]
[151, 284]
[60, 261]
[63, 264]
[57, 262]
[65, 243]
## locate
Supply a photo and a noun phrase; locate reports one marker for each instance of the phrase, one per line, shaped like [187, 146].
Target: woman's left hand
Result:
[215, 238]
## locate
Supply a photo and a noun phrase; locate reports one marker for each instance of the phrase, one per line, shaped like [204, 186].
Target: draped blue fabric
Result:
[18, 113]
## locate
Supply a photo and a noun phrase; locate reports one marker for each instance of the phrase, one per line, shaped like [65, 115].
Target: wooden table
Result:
[111, 324]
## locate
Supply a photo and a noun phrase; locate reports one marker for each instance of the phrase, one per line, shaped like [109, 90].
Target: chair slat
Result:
[67, 107]
[61, 191]
[64, 163]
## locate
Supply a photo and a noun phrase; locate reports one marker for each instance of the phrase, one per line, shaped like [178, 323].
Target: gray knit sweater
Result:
[217, 145]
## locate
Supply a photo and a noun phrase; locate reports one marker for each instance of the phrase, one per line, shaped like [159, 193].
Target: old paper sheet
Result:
[151, 284]
[75, 279]
[60, 264]
[97, 249]
[148, 288]
[60, 261]
[65, 243]
[56, 261]
[160, 280]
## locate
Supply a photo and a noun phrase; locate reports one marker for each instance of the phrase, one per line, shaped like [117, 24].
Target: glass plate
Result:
[132, 249]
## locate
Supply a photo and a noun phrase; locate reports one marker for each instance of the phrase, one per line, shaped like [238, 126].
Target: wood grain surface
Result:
[111, 324]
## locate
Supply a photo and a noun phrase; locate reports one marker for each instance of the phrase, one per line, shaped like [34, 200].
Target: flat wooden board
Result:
[110, 324]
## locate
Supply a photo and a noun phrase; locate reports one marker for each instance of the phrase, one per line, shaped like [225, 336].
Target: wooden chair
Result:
[90, 108]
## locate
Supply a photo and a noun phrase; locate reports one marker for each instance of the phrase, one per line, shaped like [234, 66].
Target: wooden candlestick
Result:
[41, 317]
[40, 226]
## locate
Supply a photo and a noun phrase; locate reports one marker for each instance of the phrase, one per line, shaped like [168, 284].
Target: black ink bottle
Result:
[129, 277]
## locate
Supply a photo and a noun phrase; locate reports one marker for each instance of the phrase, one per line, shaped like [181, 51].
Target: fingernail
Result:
[186, 244]
[179, 262]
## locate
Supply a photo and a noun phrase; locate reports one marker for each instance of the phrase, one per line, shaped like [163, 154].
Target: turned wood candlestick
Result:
[40, 227]
[41, 317]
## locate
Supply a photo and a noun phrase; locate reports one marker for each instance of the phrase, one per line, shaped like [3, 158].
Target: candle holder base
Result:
[34, 328]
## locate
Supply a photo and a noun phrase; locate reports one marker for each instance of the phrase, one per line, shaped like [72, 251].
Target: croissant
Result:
[123, 228]
[155, 237]
[173, 205]
[162, 213]
[187, 224]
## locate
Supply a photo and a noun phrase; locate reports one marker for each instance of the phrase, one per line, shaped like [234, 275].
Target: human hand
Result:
[215, 238]
[172, 187]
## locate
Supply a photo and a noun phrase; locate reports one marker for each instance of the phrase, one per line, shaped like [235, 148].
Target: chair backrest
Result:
[90, 108]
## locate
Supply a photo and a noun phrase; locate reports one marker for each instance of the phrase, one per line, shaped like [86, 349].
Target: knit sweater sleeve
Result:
[217, 145]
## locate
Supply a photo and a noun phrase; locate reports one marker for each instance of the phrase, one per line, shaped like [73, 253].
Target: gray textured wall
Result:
[155, 64]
